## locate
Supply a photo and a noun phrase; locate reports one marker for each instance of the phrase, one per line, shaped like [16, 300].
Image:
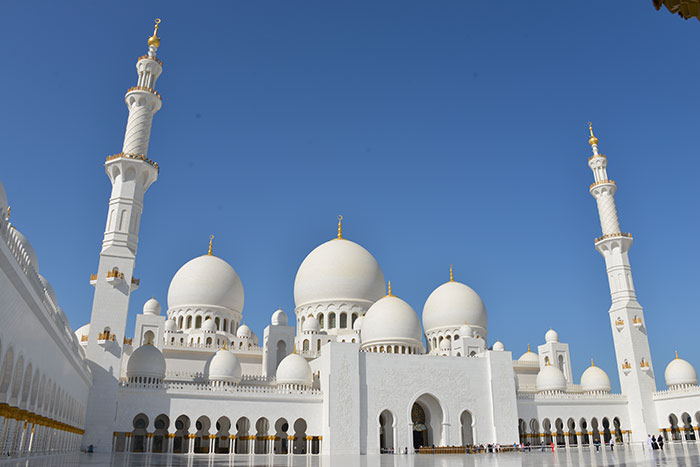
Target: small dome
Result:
[294, 369]
[551, 336]
[279, 318]
[466, 331]
[453, 304]
[27, 247]
[445, 345]
[49, 289]
[244, 332]
[680, 373]
[391, 321]
[223, 366]
[338, 269]
[498, 346]
[594, 379]
[146, 361]
[529, 357]
[311, 325]
[170, 325]
[357, 326]
[206, 280]
[151, 307]
[550, 378]
[209, 325]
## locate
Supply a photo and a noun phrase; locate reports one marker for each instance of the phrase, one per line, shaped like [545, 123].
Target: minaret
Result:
[626, 315]
[131, 173]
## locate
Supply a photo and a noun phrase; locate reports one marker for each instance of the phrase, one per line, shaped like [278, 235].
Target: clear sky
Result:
[444, 132]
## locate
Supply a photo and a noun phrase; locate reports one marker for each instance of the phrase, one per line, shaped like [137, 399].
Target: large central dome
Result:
[206, 280]
[338, 269]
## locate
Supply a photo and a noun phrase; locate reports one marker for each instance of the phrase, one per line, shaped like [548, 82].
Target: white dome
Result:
[680, 373]
[151, 307]
[209, 325]
[49, 289]
[3, 201]
[338, 269]
[244, 331]
[357, 326]
[529, 357]
[294, 369]
[279, 318]
[551, 336]
[594, 379]
[311, 325]
[550, 378]
[27, 247]
[223, 366]
[146, 361]
[498, 346]
[466, 331]
[206, 280]
[170, 325]
[445, 345]
[391, 321]
[452, 305]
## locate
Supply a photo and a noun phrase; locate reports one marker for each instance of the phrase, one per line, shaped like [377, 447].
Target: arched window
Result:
[179, 322]
[331, 321]
[320, 320]
[208, 340]
[306, 345]
[189, 322]
[353, 319]
[198, 322]
[318, 345]
[217, 322]
[225, 325]
[149, 338]
[561, 363]
[343, 320]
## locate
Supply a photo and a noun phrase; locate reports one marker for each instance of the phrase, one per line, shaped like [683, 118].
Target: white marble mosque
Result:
[354, 370]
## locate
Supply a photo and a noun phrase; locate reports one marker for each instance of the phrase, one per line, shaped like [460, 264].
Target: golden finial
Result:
[211, 242]
[528, 348]
[592, 140]
[340, 226]
[592, 364]
[224, 347]
[452, 276]
[9, 208]
[154, 40]
[148, 342]
[677, 357]
[388, 290]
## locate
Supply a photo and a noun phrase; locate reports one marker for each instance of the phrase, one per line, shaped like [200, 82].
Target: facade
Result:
[356, 371]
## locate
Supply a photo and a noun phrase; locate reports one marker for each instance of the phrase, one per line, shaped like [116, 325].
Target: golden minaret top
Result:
[154, 40]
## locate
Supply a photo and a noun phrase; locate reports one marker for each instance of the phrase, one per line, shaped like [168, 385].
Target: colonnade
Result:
[23, 432]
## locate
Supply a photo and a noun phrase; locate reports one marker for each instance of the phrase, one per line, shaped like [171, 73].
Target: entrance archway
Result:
[426, 416]
[386, 432]
[467, 422]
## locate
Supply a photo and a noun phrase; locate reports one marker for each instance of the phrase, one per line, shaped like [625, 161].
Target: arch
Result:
[688, 426]
[606, 430]
[387, 426]
[160, 434]
[198, 321]
[352, 320]
[585, 439]
[201, 440]
[138, 433]
[6, 372]
[281, 437]
[242, 428]
[560, 361]
[426, 417]
[320, 320]
[559, 427]
[262, 426]
[467, 424]
[331, 320]
[675, 431]
[522, 431]
[149, 338]
[179, 322]
[305, 345]
[618, 430]
[26, 385]
[223, 427]
[546, 431]
[217, 322]
[189, 321]
[571, 428]
[225, 328]
[17, 380]
[595, 428]
[299, 436]
[343, 320]
[281, 352]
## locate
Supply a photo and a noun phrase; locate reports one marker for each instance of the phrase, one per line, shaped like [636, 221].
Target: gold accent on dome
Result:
[154, 40]
[224, 347]
[592, 140]
[677, 357]
[592, 364]
[148, 342]
[388, 290]
[211, 242]
[340, 226]
[452, 276]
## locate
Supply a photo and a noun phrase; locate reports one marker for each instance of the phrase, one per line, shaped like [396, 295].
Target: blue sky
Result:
[444, 132]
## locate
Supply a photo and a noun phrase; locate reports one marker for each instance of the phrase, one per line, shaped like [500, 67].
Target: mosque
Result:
[355, 372]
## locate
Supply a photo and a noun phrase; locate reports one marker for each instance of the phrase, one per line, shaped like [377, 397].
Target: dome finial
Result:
[677, 357]
[528, 348]
[154, 40]
[148, 341]
[224, 347]
[592, 364]
[452, 276]
[592, 140]
[211, 243]
[340, 226]
[388, 290]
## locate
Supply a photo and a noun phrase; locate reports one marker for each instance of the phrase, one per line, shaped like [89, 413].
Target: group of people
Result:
[655, 443]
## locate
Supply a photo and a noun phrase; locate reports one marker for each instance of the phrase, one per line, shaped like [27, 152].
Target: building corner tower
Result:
[626, 314]
[131, 172]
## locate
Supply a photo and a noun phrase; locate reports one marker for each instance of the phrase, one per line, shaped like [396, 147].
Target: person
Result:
[552, 445]
[597, 444]
[612, 443]
[649, 443]
[91, 448]
[654, 443]
[661, 442]
[542, 446]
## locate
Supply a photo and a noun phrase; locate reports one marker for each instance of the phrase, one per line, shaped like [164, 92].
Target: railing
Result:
[598, 155]
[602, 182]
[93, 277]
[142, 57]
[135, 281]
[573, 396]
[193, 345]
[114, 273]
[693, 390]
[613, 235]
[144, 88]
[106, 336]
[129, 341]
[127, 155]
[188, 386]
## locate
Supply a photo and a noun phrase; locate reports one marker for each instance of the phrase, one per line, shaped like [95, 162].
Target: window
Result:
[343, 321]
[331, 321]
[189, 322]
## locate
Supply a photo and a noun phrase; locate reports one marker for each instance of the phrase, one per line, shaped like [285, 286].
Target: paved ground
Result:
[686, 455]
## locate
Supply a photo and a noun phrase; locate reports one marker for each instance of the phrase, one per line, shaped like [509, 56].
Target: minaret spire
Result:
[631, 342]
[131, 173]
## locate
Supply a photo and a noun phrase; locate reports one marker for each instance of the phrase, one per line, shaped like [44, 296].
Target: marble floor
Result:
[674, 455]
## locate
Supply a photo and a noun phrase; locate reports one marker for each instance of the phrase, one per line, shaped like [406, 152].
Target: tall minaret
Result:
[131, 173]
[626, 315]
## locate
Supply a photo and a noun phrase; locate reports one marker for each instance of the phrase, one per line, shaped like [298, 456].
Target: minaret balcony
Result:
[626, 367]
[114, 277]
[644, 366]
[619, 324]
[596, 156]
[602, 182]
[105, 338]
[140, 157]
[93, 279]
[637, 322]
[144, 89]
[613, 235]
[135, 283]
